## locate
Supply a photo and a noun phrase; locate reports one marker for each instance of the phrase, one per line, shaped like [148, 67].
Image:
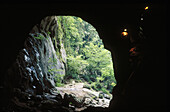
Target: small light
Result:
[141, 19]
[146, 8]
[125, 30]
[124, 33]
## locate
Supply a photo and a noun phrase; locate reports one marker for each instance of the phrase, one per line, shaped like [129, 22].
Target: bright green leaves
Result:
[76, 66]
[100, 66]
[87, 59]
[48, 33]
[70, 27]
[79, 19]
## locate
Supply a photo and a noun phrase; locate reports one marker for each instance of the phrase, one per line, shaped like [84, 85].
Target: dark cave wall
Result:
[147, 88]
[31, 71]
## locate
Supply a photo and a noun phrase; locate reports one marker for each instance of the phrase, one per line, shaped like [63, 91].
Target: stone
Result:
[30, 75]
[35, 59]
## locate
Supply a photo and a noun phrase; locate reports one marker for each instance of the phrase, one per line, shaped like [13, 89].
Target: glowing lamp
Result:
[146, 8]
[125, 33]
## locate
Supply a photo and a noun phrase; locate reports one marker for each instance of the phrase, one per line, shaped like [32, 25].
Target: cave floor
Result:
[83, 96]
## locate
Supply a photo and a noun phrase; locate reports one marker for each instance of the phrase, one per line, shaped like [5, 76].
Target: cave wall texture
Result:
[31, 71]
[145, 90]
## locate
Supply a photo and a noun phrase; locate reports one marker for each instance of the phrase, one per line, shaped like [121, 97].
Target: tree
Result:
[86, 57]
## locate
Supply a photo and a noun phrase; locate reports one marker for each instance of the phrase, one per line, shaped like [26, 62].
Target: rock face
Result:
[38, 62]
[42, 59]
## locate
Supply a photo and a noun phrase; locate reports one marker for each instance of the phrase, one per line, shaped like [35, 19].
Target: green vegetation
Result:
[38, 36]
[54, 71]
[87, 59]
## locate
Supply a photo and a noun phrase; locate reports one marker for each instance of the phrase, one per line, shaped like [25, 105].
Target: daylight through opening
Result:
[78, 65]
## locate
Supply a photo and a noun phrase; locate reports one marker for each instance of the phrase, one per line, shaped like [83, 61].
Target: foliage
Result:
[75, 66]
[87, 86]
[105, 91]
[101, 96]
[86, 57]
[39, 35]
[54, 71]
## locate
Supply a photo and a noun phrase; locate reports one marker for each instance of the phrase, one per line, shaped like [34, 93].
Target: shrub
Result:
[101, 95]
[87, 86]
[93, 86]
[98, 86]
[94, 97]
[105, 91]
[59, 84]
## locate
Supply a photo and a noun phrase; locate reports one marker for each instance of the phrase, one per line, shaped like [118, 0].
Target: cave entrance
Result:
[89, 66]
[73, 60]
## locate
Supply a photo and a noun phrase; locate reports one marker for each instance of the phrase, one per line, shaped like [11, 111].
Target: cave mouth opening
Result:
[64, 59]
[89, 66]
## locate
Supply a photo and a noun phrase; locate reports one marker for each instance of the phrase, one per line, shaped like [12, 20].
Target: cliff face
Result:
[40, 64]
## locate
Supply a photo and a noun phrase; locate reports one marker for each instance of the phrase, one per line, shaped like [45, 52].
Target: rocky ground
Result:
[69, 98]
[80, 97]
